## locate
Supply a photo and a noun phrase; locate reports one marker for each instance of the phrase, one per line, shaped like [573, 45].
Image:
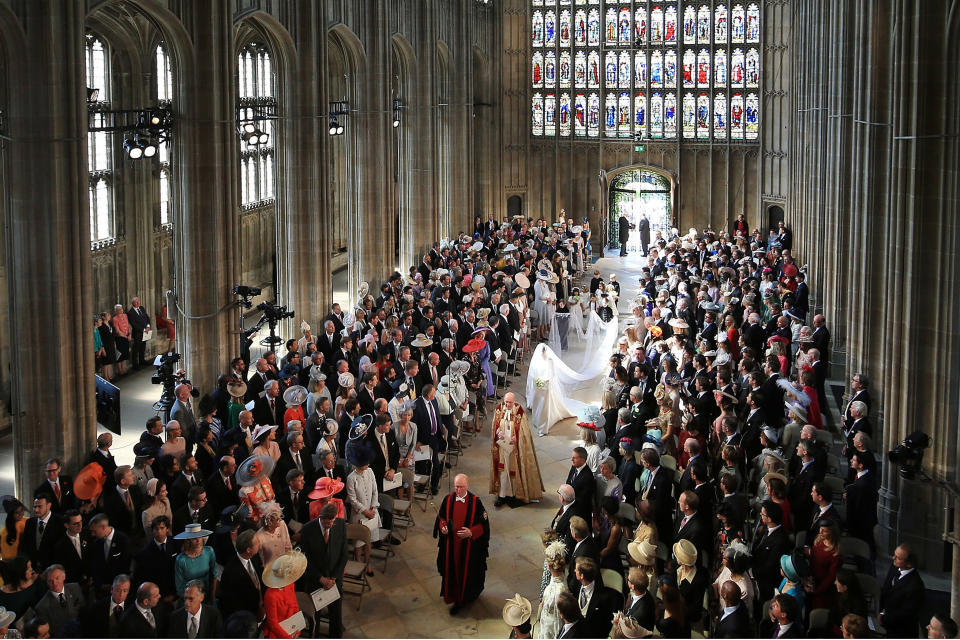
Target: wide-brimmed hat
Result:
[521, 280]
[644, 552]
[237, 388]
[773, 474]
[789, 567]
[360, 425]
[261, 429]
[478, 282]
[285, 569]
[672, 379]
[458, 368]
[771, 434]
[360, 454]
[345, 379]
[723, 394]
[421, 341]
[317, 374]
[254, 469]
[325, 487]
[295, 395]
[517, 610]
[686, 552]
[331, 427]
[89, 482]
[678, 323]
[193, 530]
[145, 450]
[474, 345]
[797, 408]
[630, 628]
[6, 617]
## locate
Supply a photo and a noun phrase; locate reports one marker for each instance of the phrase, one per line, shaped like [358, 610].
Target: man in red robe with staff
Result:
[464, 533]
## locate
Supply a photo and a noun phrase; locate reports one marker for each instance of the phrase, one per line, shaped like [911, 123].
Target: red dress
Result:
[733, 341]
[317, 505]
[785, 505]
[823, 568]
[278, 605]
[293, 413]
[813, 411]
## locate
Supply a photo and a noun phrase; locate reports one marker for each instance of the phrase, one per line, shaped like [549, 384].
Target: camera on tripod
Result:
[272, 312]
[245, 292]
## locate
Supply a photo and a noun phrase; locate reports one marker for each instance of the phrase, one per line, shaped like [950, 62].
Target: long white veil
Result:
[546, 365]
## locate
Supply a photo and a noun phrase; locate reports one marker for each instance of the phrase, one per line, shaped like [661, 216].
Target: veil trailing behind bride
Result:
[551, 383]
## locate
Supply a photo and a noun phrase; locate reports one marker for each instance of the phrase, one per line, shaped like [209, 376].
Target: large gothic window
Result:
[164, 79]
[646, 69]
[99, 157]
[257, 90]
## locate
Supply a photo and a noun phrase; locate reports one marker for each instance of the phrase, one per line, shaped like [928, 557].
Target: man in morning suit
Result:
[734, 620]
[569, 507]
[222, 485]
[861, 498]
[41, 532]
[640, 604]
[581, 478]
[139, 322]
[112, 555]
[569, 610]
[294, 456]
[902, 596]
[430, 431]
[270, 408]
[583, 545]
[62, 603]
[767, 549]
[59, 486]
[240, 586]
[124, 502]
[324, 542]
[292, 498]
[156, 559]
[147, 617]
[692, 525]
[659, 493]
[594, 600]
[102, 618]
[74, 549]
[195, 619]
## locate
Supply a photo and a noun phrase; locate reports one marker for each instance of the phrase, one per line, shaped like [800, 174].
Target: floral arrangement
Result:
[539, 383]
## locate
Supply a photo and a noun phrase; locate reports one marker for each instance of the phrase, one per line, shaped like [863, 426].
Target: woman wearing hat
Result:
[279, 597]
[155, 504]
[516, 613]
[237, 389]
[273, 534]
[405, 432]
[294, 396]
[328, 439]
[736, 567]
[196, 561]
[644, 555]
[206, 453]
[549, 622]
[207, 411]
[12, 529]
[363, 497]
[629, 471]
[692, 581]
[324, 490]
[317, 389]
[264, 442]
[824, 563]
[791, 568]
[253, 477]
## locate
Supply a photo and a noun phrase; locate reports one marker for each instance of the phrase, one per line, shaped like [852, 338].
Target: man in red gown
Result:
[464, 533]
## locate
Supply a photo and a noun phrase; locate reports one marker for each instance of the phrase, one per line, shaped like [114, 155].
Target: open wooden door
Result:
[604, 211]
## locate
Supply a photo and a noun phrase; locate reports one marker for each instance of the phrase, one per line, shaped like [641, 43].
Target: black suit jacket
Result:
[584, 485]
[120, 517]
[422, 419]
[263, 415]
[340, 474]
[105, 567]
[97, 621]
[218, 496]
[180, 489]
[379, 463]
[660, 495]
[237, 590]
[286, 463]
[735, 625]
[588, 548]
[76, 567]
[153, 565]
[599, 616]
[211, 623]
[134, 625]
[901, 600]
[109, 466]
[767, 550]
[40, 555]
[580, 629]
[697, 530]
[644, 610]
[862, 506]
[324, 559]
[182, 517]
[67, 499]
[285, 499]
[255, 385]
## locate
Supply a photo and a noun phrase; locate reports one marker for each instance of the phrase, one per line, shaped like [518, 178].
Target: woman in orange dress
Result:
[323, 491]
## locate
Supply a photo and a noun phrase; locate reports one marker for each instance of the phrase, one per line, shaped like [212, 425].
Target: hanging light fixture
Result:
[133, 148]
[148, 146]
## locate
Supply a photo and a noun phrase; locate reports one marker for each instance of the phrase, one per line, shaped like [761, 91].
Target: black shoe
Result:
[394, 541]
[499, 502]
[434, 490]
[455, 609]
[446, 464]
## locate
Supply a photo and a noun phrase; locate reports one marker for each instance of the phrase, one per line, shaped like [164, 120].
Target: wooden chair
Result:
[819, 623]
[305, 602]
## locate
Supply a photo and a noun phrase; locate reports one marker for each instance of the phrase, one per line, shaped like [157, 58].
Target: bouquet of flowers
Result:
[539, 383]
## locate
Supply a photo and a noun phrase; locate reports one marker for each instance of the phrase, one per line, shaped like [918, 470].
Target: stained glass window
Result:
[164, 80]
[664, 69]
[256, 83]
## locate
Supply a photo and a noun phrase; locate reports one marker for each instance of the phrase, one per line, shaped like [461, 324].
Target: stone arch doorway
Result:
[638, 192]
[774, 216]
[514, 207]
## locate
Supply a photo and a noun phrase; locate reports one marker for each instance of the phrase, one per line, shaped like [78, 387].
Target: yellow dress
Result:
[9, 551]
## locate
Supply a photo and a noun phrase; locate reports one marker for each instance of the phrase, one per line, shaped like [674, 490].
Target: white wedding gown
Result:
[554, 401]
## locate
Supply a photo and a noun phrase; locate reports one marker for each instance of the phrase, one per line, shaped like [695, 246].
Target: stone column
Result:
[304, 222]
[206, 238]
[48, 240]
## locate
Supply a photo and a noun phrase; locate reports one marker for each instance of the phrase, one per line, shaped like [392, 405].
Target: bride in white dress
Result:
[546, 403]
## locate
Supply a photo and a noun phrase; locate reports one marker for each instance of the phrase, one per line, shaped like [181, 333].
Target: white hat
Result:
[284, 570]
[517, 610]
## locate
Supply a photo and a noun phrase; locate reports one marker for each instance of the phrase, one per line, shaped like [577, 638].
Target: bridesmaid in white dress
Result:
[576, 313]
[549, 623]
